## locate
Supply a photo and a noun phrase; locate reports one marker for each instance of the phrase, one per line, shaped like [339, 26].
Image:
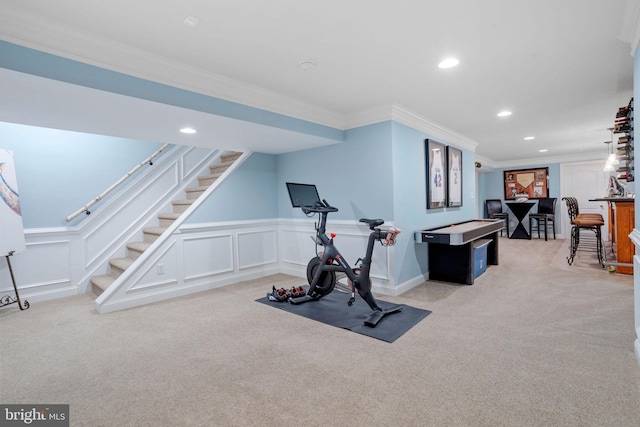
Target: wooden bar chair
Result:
[584, 222]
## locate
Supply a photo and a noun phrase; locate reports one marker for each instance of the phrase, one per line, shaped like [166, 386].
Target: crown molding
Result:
[568, 158]
[407, 117]
[630, 29]
[432, 129]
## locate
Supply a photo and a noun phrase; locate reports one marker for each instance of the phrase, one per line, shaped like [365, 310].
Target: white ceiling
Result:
[563, 67]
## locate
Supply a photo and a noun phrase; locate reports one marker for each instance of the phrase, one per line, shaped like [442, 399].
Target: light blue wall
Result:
[355, 176]
[249, 193]
[59, 172]
[410, 200]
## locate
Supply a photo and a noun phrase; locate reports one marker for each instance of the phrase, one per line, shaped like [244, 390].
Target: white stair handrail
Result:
[86, 207]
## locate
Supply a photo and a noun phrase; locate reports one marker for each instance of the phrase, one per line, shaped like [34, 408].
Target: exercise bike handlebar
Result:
[320, 207]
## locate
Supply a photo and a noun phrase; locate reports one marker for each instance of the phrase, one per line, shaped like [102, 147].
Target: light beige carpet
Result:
[534, 342]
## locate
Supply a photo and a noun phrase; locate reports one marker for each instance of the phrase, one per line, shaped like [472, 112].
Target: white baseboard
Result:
[185, 289]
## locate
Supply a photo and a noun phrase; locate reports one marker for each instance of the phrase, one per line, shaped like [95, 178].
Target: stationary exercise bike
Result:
[322, 269]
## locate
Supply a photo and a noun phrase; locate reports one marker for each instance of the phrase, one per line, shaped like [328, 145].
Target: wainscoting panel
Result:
[297, 245]
[257, 248]
[163, 272]
[207, 255]
[42, 271]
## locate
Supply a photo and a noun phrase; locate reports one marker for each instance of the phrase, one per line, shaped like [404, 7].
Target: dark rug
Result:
[333, 310]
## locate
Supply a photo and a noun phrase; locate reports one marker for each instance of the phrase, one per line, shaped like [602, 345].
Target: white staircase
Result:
[134, 250]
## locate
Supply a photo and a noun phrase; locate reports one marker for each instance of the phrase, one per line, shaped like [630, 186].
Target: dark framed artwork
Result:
[454, 177]
[435, 154]
[530, 183]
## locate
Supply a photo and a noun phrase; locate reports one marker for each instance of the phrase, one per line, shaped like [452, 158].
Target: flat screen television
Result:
[303, 194]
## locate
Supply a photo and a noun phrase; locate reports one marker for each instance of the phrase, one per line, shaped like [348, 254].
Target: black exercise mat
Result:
[333, 310]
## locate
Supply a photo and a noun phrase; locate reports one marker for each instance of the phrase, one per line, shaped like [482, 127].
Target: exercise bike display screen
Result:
[303, 194]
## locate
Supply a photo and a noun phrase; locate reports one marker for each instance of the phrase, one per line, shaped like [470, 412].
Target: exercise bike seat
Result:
[372, 223]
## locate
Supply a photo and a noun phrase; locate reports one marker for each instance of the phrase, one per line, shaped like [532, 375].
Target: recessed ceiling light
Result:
[191, 21]
[306, 65]
[544, 150]
[188, 130]
[529, 138]
[504, 113]
[448, 63]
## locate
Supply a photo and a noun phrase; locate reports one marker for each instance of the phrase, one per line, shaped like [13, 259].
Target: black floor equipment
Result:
[322, 269]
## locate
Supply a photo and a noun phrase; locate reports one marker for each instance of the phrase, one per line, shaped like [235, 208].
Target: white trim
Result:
[437, 131]
[569, 158]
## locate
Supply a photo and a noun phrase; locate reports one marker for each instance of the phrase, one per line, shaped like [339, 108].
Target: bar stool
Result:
[546, 214]
[584, 222]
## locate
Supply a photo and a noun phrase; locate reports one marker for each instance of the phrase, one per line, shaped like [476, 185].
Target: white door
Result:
[584, 181]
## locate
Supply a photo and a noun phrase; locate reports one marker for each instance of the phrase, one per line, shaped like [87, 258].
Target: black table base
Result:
[520, 210]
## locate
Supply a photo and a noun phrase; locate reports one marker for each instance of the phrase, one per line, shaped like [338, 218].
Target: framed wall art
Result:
[454, 177]
[435, 154]
[529, 183]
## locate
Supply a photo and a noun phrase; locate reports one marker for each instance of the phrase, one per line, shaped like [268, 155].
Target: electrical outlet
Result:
[160, 269]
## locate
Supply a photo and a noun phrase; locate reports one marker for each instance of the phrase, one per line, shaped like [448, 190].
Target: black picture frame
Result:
[454, 177]
[436, 158]
[532, 183]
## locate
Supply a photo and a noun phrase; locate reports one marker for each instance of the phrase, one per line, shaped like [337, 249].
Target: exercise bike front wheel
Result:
[327, 280]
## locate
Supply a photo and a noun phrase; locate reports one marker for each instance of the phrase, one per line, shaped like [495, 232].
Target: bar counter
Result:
[621, 215]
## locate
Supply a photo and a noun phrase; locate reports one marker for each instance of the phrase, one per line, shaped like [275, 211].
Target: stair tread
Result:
[210, 176]
[100, 279]
[139, 246]
[169, 215]
[232, 154]
[101, 282]
[154, 230]
[199, 188]
[121, 263]
[222, 164]
[183, 202]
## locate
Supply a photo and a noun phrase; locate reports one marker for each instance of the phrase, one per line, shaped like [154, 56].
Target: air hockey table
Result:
[452, 248]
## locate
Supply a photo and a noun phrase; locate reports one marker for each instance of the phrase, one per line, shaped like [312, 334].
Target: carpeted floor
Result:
[534, 342]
